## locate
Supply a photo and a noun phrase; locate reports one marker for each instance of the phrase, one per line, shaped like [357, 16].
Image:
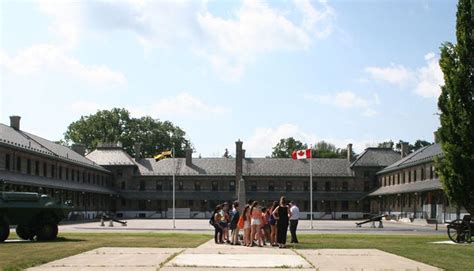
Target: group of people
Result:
[260, 225]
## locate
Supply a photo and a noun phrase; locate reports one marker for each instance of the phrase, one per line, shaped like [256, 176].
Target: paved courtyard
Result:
[223, 257]
[202, 225]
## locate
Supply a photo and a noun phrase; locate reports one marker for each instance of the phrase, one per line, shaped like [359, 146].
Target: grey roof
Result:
[32, 143]
[26, 179]
[376, 157]
[111, 157]
[251, 167]
[419, 186]
[423, 155]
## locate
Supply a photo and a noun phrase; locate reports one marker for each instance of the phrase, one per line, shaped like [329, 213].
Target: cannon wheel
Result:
[47, 232]
[456, 231]
[25, 232]
[4, 229]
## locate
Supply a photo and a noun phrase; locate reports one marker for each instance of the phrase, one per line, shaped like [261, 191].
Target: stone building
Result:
[145, 186]
[109, 179]
[31, 163]
[410, 188]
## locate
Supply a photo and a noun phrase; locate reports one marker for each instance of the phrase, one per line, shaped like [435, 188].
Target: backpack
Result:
[211, 220]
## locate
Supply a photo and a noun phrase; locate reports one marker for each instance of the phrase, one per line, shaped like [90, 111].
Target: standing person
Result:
[294, 217]
[273, 224]
[265, 226]
[246, 218]
[282, 214]
[216, 219]
[256, 223]
[234, 219]
[225, 219]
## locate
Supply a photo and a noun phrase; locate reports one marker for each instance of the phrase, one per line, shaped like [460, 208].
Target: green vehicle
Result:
[35, 215]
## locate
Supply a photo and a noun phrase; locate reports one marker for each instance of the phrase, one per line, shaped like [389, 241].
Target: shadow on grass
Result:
[57, 240]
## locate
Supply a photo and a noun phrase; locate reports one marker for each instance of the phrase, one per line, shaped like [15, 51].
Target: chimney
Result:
[349, 152]
[137, 148]
[189, 157]
[15, 122]
[79, 148]
[238, 160]
[404, 149]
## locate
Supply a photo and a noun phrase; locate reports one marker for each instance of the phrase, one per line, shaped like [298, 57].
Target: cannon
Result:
[106, 217]
[36, 215]
[461, 230]
[373, 219]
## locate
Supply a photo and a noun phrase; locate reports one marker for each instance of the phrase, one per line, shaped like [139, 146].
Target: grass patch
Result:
[418, 248]
[18, 256]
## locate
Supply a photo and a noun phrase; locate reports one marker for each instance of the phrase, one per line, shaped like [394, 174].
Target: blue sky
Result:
[340, 71]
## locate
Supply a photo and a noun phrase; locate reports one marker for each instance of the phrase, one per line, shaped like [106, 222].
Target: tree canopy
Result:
[456, 104]
[419, 143]
[321, 149]
[116, 125]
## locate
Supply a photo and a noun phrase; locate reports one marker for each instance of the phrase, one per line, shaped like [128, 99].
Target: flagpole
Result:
[311, 187]
[174, 188]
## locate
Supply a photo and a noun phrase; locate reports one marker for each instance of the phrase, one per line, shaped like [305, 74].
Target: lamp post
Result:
[174, 180]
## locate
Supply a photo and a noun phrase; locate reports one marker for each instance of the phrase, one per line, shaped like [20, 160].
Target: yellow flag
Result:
[163, 155]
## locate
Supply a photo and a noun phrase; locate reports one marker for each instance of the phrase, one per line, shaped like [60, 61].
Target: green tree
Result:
[323, 149]
[286, 146]
[116, 125]
[456, 104]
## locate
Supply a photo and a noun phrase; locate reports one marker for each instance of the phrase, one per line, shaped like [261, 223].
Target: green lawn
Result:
[445, 256]
[18, 256]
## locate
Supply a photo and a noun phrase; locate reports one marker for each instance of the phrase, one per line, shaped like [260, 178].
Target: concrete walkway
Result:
[210, 256]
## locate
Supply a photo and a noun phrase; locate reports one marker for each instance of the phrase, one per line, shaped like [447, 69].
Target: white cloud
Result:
[228, 43]
[425, 81]
[262, 141]
[346, 100]
[430, 78]
[395, 74]
[49, 58]
[184, 104]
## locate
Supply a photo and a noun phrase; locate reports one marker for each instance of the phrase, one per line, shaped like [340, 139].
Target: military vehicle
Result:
[35, 215]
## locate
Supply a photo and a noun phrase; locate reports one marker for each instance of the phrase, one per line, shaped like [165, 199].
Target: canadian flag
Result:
[301, 154]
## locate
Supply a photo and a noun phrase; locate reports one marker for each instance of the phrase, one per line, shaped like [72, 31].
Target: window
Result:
[7, 161]
[366, 174]
[344, 205]
[89, 177]
[60, 172]
[84, 177]
[327, 186]
[197, 185]
[289, 186]
[271, 186]
[366, 186]
[122, 185]
[37, 171]
[315, 186]
[141, 205]
[253, 186]
[344, 186]
[231, 186]
[18, 164]
[67, 173]
[180, 185]
[119, 173]
[409, 176]
[159, 185]
[73, 174]
[28, 166]
[53, 171]
[142, 185]
[124, 203]
[414, 175]
[403, 177]
[214, 186]
[398, 178]
[431, 172]
[305, 186]
[422, 175]
[45, 170]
